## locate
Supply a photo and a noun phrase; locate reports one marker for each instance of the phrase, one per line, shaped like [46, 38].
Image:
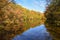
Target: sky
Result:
[36, 5]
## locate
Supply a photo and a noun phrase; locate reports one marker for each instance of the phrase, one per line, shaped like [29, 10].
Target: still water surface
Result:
[37, 33]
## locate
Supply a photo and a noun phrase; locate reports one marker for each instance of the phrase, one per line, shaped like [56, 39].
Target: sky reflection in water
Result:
[37, 33]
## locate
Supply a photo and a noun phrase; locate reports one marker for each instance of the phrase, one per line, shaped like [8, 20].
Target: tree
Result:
[14, 19]
[53, 21]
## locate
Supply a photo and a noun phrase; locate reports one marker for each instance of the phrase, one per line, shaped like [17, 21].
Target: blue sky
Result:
[37, 5]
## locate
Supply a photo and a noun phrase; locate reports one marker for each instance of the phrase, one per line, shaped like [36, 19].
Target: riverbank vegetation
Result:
[53, 18]
[14, 19]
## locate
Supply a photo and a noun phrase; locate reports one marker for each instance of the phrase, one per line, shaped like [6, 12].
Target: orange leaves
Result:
[16, 19]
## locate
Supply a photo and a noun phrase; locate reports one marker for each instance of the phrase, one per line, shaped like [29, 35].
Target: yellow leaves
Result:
[18, 19]
[7, 28]
[7, 21]
[15, 16]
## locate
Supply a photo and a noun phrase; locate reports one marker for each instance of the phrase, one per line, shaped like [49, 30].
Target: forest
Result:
[52, 15]
[14, 19]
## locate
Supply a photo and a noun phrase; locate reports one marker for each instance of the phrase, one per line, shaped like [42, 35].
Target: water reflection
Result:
[37, 33]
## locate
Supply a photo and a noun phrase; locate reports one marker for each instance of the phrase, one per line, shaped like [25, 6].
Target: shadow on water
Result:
[37, 33]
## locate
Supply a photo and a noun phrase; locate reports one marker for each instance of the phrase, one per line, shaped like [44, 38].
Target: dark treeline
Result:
[52, 14]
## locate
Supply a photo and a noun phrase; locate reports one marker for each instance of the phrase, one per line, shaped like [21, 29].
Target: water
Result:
[37, 33]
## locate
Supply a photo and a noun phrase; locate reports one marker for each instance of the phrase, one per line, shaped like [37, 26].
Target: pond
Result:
[37, 33]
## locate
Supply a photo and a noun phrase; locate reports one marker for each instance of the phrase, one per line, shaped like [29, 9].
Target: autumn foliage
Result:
[52, 15]
[14, 19]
